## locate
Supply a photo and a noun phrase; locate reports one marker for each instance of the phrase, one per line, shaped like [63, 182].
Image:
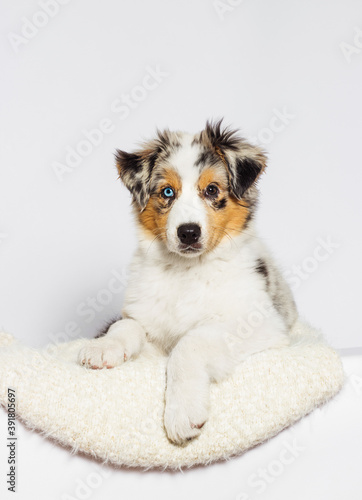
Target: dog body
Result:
[230, 287]
[202, 286]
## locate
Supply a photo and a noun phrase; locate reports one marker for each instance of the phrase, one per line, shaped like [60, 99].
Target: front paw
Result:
[184, 421]
[102, 353]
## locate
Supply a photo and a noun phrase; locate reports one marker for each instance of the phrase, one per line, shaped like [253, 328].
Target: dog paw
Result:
[102, 353]
[184, 423]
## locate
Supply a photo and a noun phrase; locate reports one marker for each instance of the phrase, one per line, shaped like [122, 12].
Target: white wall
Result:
[61, 240]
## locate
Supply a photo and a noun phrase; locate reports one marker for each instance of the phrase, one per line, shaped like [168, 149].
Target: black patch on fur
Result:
[250, 201]
[262, 269]
[245, 172]
[165, 140]
[106, 327]
[129, 161]
[153, 157]
[156, 179]
[138, 187]
[219, 204]
[207, 157]
[249, 218]
[222, 138]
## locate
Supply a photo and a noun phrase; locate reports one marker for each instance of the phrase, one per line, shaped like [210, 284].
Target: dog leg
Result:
[124, 340]
[209, 353]
[200, 357]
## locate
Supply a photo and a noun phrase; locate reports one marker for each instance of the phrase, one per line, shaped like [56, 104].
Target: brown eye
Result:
[211, 191]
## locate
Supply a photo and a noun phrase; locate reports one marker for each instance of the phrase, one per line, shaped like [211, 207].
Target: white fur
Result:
[124, 340]
[188, 208]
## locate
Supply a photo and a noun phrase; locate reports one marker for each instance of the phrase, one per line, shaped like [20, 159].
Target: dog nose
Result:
[189, 233]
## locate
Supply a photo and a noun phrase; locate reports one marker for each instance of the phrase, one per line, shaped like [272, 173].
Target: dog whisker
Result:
[232, 242]
[154, 239]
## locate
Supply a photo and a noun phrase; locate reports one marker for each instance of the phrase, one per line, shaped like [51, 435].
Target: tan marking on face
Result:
[226, 222]
[171, 178]
[213, 175]
[223, 222]
[154, 217]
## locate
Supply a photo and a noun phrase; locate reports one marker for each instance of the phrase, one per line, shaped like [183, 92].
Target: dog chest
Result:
[169, 301]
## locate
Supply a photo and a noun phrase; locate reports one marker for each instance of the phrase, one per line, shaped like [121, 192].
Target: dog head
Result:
[191, 191]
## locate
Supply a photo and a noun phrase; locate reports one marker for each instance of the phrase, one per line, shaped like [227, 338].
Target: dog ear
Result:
[244, 162]
[135, 169]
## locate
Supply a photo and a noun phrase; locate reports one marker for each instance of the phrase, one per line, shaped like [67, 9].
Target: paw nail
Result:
[197, 426]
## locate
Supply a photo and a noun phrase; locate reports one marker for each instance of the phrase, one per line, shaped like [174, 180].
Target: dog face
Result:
[191, 191]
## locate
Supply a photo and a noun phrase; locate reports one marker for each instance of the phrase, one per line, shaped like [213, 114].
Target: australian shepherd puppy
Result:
[202, 286]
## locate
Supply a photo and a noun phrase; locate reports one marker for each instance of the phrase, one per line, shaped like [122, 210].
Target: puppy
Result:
[202, 286]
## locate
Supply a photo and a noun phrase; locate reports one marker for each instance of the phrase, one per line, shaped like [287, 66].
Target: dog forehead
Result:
[184, 159]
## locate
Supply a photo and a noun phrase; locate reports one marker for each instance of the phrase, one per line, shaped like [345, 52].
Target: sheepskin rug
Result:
[117, 415]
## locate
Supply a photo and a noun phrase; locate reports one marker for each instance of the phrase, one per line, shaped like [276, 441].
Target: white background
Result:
[61, 240]
[62, 237]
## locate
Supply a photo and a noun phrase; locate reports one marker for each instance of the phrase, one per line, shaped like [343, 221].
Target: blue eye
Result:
[168, 192]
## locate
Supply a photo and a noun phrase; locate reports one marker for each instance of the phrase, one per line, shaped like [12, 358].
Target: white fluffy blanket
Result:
[117, 415]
